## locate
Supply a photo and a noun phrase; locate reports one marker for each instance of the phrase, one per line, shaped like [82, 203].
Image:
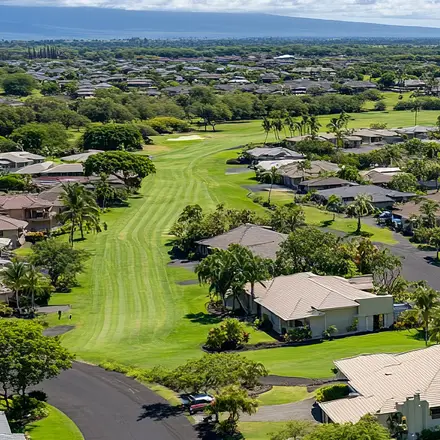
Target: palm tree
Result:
[429, 209]
[314, 125]
[434, 240]
[434, 325]
[335, 127]
[417, 105]
[333, 204]
[267, 126]
[273, 174]
[305, 123]
[360, 207]
[35, 282]
[303, 166]
[425, 300]
[14, 277]
[392, 154]
[80, 208]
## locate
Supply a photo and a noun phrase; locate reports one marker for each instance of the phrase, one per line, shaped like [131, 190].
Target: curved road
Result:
[109, 406]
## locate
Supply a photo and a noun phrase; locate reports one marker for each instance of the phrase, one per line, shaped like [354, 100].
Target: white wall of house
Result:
[340, 318]
[275, 320]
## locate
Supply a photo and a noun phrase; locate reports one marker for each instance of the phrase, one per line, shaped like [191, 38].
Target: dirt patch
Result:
[58, 330]
[194, 137]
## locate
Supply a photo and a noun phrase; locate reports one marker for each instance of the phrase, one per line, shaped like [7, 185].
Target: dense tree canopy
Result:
[112, 137]
[28, 357]
[129, 167]
[19, 84]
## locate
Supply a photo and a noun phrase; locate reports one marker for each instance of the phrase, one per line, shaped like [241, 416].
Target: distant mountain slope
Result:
[52, 22]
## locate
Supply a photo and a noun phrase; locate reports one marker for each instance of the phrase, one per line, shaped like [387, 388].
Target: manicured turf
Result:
[316, 361]
[259, 430]
[57, 426]
[129, 307]
[280, 395]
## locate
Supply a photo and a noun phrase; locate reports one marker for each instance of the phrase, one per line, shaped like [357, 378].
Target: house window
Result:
[435, 413]
[1, 234]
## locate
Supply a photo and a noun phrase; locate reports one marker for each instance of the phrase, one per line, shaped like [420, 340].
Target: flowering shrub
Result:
[229, 335]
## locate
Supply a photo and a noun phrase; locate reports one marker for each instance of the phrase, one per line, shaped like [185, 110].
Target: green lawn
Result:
[129, 307]
[57, 426]
[316, 361]
[259, 430]
[280, 395]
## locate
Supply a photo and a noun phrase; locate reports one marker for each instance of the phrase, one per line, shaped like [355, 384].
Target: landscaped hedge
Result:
[332, 392]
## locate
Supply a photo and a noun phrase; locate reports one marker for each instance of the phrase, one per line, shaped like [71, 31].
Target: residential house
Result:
[359, 86]
[262, 241]
[404, 387]
[318, 302]
[381, 198]
[267, 165]
[349, 141]
[322, 183]
[66, 169]
[36, 212]
[258, 154]
[18, 159]
[34, 169]
[368, 136]
[380, 176]
[14, 230]
[292, 175]
[417, 131]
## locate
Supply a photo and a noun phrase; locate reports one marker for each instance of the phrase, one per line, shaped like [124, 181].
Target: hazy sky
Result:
[406, 12]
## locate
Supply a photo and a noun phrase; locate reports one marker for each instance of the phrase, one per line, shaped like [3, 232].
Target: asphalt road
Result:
[109, 406]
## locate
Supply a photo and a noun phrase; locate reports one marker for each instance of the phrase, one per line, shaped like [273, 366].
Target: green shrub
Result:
[331, 330]
[167, 124]
[147, 131]
[114, 366]
[430, 434]
[25, 409]
[229, 335]
[39, 395]
[332, 392]
[354, 326]
[298, 334]
[422, 235]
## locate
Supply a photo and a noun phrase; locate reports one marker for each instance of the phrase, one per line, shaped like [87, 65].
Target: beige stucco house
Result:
[306, 299]
[13, 229]
[404, 386]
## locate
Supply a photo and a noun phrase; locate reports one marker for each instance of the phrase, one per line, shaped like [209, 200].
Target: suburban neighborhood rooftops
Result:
[273, 152]
[304, 295]
[260, 240]
[377, 193]
[384, 380]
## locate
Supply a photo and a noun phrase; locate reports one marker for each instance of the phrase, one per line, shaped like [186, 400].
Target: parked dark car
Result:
[196, 402]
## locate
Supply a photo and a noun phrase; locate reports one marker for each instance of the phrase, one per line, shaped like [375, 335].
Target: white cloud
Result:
[406, 12]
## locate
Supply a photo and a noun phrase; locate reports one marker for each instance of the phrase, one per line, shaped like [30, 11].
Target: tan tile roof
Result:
[21, 201]
[303, 295]
[11, 224]
[261, 241]
[383, 380]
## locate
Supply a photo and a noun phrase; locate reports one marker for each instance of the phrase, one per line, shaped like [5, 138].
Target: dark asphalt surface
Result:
[109, 406]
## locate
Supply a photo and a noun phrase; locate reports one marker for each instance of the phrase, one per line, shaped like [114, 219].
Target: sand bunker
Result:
[187, 138]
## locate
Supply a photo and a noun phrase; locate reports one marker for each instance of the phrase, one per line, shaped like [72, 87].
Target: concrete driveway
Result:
[109, 406]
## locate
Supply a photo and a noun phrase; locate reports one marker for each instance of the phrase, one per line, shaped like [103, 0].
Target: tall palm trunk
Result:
[81, 230]
[72, 231]
[359, 224]
[270, 191]
[17, 300]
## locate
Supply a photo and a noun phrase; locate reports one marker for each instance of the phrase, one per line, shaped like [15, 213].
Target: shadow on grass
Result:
[205, 431]
[326, 223]
[203, 318]
[360, 234]
[160, 411]
[418, 335]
